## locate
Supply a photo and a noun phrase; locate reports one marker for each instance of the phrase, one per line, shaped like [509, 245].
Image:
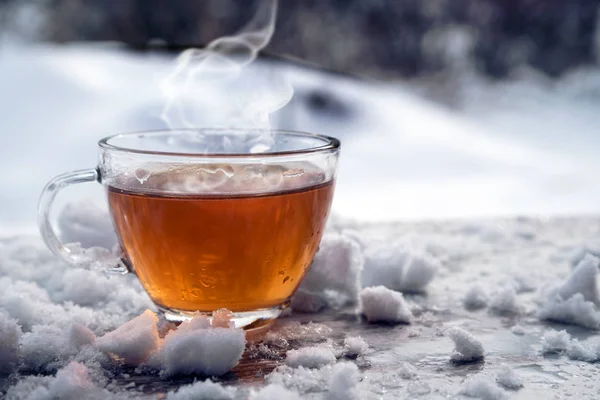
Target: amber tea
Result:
[205, 252]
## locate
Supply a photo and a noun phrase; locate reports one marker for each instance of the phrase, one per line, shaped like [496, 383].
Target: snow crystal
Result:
[202, 390]
[133, 341]
[483, 388]
[398, 268]
[382, 304]
[10, 333]
[508, 378]
[574, 311]
[466, 347]
[354, 346]
[310, 357]
[582, 352]
[505, 302]
[582, 280]
[210, 352]
[335, 268]
[343, 381]
[274, 392]
[475, 298]
[555, 341]
[86, 223]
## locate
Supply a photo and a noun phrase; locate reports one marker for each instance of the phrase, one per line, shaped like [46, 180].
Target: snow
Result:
[555, 341]
[509, 379]
[86, 223]
[343, 381]
[310, 357]
[274, 392]
[202, 390]
[466, 347]
[505, 302]
[333, 274]
[475, 298]
[355, 346]
[583, 280]
[133, 342]
[10, 333]
[380, 304]
[582, 351]
[483, 388]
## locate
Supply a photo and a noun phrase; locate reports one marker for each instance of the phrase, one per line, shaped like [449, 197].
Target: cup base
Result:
[255, 321]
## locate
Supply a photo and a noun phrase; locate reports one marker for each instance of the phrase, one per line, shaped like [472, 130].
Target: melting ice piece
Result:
[10, 333]
[466, 347]
[134, 341]
[555, 341]
[343, 382]
[380, 304]
[355, 346]
[203, 390]
[310, 357]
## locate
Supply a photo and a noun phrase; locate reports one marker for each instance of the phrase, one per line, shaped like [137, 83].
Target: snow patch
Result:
[466, 347]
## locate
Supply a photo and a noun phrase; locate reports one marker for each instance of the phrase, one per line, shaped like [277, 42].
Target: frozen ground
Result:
[506, 352]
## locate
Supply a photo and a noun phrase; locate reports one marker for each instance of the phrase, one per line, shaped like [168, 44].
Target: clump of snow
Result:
[505, 302]
[398, 268]
[508, 378]
[475, 298]
[10, 334]
[582, 352]
[555, 341]
[581, 252]
[197, 322]
[343, 381]
[202, 390]
[274, 392]
[300, 379]
[407, 371]
[80, 335]
[466, 347]
[355, 346]
[310, 357]
[518, 330]
[380, 304]
[483, 388]
[86, 223]
[222, 319]
[582, 280]
[133, 342]
[199, 350]
[334, 275]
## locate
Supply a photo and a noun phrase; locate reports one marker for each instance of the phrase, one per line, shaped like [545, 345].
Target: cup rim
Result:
[331, 143]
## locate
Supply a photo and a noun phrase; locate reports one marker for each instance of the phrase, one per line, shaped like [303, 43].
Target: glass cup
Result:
[210, 218]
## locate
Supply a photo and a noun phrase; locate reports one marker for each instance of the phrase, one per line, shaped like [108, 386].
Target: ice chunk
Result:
[336, 267]
[343, 381]
[210, 352]
[574, 311]
[222, 319]
[475, 298]
[134, 341]
[380, 304]
[466, 347]
[483, 388]
[581, 351]
[274, 392]
[202, 390]
[505, 302]
[508, 378]
[555, 341]
[582, 280]
[355, 346]
[86, 223]
[310, 357]
[10, 334]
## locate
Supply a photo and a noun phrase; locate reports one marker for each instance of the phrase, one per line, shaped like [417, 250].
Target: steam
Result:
[216, 86]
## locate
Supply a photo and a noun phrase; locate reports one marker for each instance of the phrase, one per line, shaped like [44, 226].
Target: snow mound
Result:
[582, 352]
[398, 268]
[202, 390]
[508, 379]
[334, 275]
[355, 346]
[380, 304]
[274, 392]
[475, 298]
[582, 280]
[555, 341]
[133, 342]
[343, 382]
[483, 388]
[466, 347]
[574, 311]
[10, 334]
[205, 351]
[505, 302]
[310, 357]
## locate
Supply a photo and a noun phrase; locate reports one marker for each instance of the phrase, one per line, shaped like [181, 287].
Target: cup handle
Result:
[70, 255]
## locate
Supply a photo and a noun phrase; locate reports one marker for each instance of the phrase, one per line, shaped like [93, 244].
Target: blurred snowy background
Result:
[445, 108]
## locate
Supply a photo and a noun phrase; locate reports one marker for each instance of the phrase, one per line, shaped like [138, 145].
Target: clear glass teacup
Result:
[211, 218]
